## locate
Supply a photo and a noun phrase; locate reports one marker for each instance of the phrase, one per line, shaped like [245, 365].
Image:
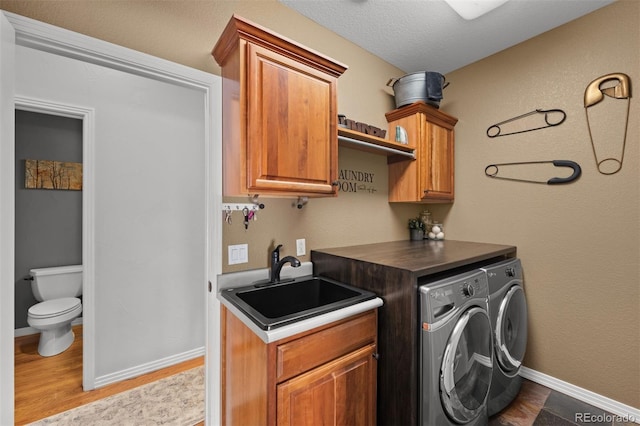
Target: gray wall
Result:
[145, 189]
[48, 222]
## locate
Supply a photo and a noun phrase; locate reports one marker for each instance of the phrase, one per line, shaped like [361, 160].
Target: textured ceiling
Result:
[427, 35]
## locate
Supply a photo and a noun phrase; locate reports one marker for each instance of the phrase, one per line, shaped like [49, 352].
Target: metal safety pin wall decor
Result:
[594, 94]
[552, 117]
[492, 171]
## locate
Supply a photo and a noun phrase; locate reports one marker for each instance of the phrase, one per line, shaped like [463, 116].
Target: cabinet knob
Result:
[376, 355]
[335, 183]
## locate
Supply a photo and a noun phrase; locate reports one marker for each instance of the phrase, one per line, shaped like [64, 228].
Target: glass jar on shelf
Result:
[425, 218]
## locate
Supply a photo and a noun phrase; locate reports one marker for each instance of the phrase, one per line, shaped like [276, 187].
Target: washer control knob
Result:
[468, 290]
[511, 272]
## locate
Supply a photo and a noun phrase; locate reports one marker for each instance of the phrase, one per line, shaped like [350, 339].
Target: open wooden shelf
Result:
[357, 140]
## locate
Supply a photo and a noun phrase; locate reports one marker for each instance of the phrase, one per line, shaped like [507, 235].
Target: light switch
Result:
[238, 253]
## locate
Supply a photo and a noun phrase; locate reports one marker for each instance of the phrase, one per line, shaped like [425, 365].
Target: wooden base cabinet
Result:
[323, 376]
[340, 393]
[279, 112]
[430, 177]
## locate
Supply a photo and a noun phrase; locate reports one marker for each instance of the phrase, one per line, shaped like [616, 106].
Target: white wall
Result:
[48, 223]
[150, 214]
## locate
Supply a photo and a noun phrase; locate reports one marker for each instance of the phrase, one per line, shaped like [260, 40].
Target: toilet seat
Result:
[54, 308]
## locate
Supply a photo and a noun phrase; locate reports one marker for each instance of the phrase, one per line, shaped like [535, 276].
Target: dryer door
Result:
[467, 366]
[511, 331]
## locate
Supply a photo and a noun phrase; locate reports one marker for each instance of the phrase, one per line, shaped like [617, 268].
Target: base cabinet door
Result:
[323, 376]
[325, 395]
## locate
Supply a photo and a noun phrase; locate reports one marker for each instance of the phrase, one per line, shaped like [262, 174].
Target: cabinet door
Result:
[404, 180]
[291, 125]
[428, 178]
[342, 392]
[436, 168]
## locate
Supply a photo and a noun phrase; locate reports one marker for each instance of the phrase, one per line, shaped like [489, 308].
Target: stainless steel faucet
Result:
[277, 264]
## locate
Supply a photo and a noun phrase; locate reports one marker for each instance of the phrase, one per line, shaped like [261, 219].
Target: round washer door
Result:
[511, 331]
[467, 366]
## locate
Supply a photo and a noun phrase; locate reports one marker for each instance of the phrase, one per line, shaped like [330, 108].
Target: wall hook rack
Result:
[240, 207]
[248, 211]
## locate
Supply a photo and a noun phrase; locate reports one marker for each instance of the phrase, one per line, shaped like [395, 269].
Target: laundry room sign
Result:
[356, 181]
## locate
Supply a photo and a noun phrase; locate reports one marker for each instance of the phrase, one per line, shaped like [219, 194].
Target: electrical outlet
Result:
[301, 248]
[238, 253]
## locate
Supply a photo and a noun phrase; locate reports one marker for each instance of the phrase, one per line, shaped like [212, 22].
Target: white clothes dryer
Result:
[456, 356]
[508, 312]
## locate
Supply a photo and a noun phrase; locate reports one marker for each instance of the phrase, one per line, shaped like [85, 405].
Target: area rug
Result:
[175, 400]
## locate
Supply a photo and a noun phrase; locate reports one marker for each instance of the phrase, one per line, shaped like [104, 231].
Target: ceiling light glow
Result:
[471, 9]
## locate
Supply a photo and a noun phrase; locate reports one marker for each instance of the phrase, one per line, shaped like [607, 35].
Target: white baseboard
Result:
[27, 331]
[130, 372]
[627, 413]
[148, 368]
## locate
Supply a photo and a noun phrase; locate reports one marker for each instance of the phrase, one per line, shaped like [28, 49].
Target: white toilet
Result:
[57, 289]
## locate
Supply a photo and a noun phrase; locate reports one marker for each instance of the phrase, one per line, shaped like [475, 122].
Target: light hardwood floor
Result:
[45, 386]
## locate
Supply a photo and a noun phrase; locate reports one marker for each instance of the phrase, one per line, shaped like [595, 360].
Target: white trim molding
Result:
[45, 37]
[87, 115]
[59, 41]
[627, 412]
[149, 367]
[7, 218]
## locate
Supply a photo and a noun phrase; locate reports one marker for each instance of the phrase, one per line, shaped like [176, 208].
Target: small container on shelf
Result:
[425, 218]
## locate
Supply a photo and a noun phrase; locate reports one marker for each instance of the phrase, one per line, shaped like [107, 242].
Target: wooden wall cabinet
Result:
[279, 114]
[430, 177]
[323, 376]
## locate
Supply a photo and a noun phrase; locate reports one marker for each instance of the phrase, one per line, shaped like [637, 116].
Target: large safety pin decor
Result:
[552, 117]
[492, 171]
[593, 95]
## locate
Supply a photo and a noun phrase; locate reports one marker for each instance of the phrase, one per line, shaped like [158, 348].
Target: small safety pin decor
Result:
[594, 94]
[492, 171]
[552, 117]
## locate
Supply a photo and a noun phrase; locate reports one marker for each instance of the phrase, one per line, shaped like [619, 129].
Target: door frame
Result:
[87, 115]
[19, 30]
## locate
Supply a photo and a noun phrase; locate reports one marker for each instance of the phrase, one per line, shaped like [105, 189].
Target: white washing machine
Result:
[508, 312]
[456, 356]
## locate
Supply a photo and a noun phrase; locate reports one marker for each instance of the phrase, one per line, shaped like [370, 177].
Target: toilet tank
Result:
[56, 282]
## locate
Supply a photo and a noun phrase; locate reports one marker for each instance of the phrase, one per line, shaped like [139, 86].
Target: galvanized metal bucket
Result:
[423, 86]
